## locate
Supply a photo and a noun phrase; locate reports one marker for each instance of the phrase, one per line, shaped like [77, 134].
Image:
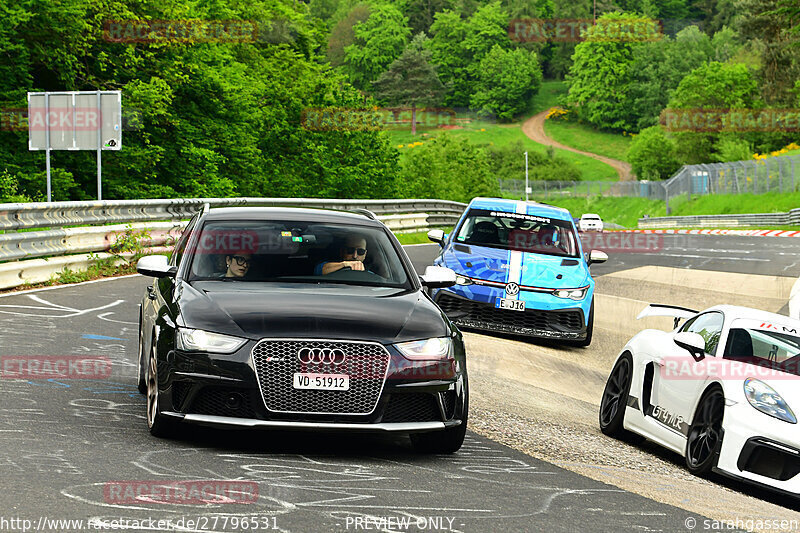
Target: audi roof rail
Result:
[366, 212]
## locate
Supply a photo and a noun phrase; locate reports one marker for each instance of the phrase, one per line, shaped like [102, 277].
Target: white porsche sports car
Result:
[719, 390]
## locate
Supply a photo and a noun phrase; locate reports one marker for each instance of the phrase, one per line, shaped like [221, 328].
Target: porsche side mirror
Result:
[437, 236]
[597, 256]
[692, 343]
[436, 277]
[156, 266]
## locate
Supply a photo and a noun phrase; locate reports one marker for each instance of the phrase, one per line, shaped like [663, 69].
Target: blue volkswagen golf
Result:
[521, 270]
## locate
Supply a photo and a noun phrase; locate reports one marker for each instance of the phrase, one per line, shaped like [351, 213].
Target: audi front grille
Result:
[276, 362]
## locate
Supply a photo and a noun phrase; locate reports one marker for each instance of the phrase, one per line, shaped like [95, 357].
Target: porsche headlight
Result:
[431, 349]
[197, 340]
[765, 399]
[575, 294]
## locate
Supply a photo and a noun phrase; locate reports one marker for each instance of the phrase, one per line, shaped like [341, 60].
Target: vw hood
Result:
[524, 268]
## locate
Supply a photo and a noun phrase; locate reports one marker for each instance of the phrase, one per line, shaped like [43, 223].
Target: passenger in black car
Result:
[238, 264]
[351, 255]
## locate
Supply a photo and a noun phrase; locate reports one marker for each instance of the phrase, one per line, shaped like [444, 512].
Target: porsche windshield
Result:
[295, 251]
[518, 231]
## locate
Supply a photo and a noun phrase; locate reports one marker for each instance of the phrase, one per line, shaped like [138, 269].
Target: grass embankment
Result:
[575, 135]
[481, 132]
[500, 135]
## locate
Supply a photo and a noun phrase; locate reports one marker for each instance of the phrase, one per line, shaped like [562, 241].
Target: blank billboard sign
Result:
[74, 120]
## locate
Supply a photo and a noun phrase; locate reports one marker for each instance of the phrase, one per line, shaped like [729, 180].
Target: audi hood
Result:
[283, 310]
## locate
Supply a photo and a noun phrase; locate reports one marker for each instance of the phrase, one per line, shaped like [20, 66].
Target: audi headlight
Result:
[431, 349]
[575, 294]
[765, 399]
[197, 340]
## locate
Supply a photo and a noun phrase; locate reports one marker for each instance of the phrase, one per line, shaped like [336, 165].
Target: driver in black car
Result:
[351, 255]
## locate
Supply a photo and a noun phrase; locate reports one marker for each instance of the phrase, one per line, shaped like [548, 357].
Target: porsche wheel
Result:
[615, 397]
[705, 433]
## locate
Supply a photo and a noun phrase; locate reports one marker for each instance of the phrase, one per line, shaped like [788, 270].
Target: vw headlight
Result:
[197, 340]
[463, 280]
[430, 349]
[575, 294]
[765, 399]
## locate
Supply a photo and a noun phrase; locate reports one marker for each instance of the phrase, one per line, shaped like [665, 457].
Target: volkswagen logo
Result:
[320, 356]
[512, 289]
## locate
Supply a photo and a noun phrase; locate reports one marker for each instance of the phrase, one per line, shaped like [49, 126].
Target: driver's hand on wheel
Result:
[353, 265]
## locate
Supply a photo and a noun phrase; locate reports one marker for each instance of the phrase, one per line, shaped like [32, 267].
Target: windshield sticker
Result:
[521, 216]
[286, 234]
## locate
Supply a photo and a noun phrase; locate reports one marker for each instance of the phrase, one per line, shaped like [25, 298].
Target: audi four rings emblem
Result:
[321, 355]
[512, 289]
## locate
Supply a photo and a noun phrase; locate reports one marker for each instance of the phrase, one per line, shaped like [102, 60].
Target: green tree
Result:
[421, 13]
[657, 69]
[506, 80]
[732, 149]
[652, 154]
[343, 35]
[459, 45]
[601, 76]
[449, 168]
[379, 40]
[716, 86]
[411, 80]
[775, 24]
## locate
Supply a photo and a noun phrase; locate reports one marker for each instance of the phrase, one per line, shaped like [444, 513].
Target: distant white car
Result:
[590, 222]
[719, 390]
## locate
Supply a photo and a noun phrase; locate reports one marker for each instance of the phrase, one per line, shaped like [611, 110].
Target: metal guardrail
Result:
[398, 215]
[59, 214]
[723, 221]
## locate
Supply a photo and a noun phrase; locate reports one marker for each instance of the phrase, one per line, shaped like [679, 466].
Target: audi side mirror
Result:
[436, 277]
[155, 266]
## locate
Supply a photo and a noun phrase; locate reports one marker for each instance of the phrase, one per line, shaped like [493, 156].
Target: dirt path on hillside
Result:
[534, 129]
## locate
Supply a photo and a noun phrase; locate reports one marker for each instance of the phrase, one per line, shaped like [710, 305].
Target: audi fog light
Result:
[197, 340]
[437, 348]
[765, 399]
[575, 294]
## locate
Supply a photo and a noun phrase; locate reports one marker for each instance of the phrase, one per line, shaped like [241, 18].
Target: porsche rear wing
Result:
[674, 311]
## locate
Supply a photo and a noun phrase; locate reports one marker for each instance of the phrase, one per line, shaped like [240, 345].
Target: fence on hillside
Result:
[755, 176]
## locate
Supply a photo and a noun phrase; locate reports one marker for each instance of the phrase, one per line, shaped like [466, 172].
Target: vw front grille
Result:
[276, 362]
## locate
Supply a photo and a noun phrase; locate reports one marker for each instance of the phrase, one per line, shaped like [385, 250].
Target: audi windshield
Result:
[297, 252]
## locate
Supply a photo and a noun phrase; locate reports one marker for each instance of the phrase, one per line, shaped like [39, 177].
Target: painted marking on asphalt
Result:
[100, 337]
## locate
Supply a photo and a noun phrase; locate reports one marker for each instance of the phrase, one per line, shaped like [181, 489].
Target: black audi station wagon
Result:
[245, 326]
